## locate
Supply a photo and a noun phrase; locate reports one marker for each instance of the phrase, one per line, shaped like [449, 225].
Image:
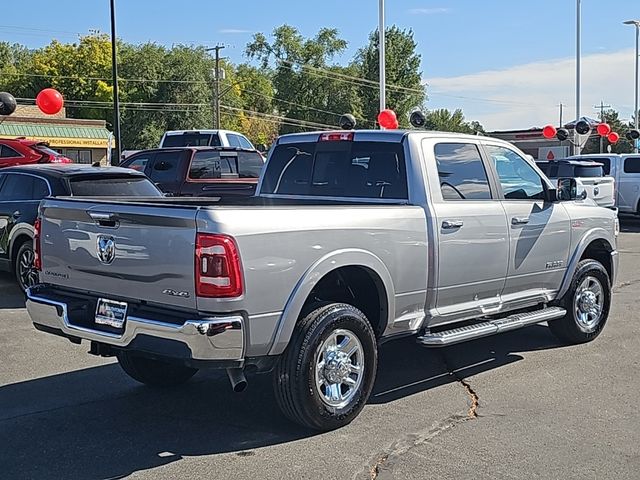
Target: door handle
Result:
[451, 224]
[519, 220]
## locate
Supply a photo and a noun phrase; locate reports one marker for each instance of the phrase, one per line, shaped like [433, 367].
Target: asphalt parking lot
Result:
[543, 410]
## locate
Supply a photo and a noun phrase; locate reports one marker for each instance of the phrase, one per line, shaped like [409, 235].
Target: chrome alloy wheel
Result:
[588, 303]
[339, 368]
[27, 273]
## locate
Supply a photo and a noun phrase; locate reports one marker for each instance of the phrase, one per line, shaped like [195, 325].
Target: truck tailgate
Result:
[120, 251]
[600, 189]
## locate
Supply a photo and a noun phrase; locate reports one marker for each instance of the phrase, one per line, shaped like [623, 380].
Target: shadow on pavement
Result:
[629, 223]
[10, 294]
[96, 423]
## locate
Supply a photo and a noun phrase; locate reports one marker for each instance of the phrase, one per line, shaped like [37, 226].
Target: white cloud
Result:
[429, 11]
[233, 30]
[528, 95]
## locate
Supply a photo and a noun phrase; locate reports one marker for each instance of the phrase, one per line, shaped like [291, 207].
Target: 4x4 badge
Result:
[106, 249]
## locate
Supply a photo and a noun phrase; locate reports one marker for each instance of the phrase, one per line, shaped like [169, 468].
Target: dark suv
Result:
[22, 188]
[200, 171]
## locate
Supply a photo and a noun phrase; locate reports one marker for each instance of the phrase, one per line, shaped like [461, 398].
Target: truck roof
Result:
[375, 135]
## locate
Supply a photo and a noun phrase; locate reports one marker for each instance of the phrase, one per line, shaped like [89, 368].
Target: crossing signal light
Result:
[633, 134]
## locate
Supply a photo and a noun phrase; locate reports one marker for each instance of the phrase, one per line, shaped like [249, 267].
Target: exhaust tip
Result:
[240, 386]
[237, 379]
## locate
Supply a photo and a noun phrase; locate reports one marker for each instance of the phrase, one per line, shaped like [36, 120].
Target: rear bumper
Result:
[615, 262]
[212, 339]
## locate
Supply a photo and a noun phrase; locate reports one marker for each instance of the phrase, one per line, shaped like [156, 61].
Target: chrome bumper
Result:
[215, 338]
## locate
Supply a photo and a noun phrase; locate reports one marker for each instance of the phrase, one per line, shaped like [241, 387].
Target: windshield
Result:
[211, 165]
[337, 169]
[194, 139]
[113, 187]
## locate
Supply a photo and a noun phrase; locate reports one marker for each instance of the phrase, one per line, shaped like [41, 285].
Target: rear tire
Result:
[154, 373]
[26, 274]
[587, 303]
[325, 376]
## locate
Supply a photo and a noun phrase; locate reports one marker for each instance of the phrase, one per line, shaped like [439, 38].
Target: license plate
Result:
[110, 312]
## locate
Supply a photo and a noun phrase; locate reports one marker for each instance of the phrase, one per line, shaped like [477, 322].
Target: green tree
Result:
[611, 117]
[403, 76]
[306, 86]
[444, 120]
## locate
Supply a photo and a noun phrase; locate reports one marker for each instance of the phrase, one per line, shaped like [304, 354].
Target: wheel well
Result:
[600, 250]
[17, 243]
[357, 286]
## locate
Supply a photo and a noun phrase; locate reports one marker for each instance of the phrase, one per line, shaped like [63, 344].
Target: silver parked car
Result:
[625, 169]
[354, 238]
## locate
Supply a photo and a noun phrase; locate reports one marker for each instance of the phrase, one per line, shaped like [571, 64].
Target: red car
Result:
[19, 151]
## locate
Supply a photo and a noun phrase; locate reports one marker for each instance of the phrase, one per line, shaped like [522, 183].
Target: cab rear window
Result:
[337, 169]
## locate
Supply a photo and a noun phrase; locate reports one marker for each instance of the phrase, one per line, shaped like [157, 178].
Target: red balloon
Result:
[613, 137]
[49, 101]
[387, 119]
[603, 129]
[549, 131]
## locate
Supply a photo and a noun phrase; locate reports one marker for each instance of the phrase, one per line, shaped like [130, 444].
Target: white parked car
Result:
[625, 169]
[590, 175]
[204, 138]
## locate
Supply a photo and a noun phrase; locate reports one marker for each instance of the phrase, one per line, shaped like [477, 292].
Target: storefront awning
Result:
[58, 135]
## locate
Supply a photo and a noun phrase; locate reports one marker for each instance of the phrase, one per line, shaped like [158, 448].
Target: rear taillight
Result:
[37, 258]
[336, 137]
[218, 270]
[59, 159]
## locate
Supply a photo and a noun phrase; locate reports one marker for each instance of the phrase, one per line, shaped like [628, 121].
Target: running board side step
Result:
[491, 327]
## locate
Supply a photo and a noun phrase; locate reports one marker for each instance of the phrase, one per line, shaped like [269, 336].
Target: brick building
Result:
[84, 141]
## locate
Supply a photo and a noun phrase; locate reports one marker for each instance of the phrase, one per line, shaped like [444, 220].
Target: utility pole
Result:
[561, 106]
[115, 153]
[576, 145]
[381, 52]
[602, 106]
[216, 86]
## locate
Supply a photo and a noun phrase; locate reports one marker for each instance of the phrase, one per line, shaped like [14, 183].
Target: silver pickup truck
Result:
[353, 239]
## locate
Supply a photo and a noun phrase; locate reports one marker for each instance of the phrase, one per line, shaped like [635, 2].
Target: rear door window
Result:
[165, 167]
[337, 169]
[18, 187]
[8, 152]
[139, 163]
[212, 165]
[632, 165]
[461, 171]
[234, 140]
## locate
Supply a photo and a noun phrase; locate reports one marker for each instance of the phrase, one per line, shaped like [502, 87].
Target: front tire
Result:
[587, 303]
[154, 372]
[25, 272]
[325, 377]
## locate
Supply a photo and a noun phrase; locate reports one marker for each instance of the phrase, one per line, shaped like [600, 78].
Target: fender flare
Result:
[585, 241]
[322, 267]
[17, 231]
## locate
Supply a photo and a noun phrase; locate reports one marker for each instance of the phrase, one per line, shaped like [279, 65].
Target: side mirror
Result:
[569, 189]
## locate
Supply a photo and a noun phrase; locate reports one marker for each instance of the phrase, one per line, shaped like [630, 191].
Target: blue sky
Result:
[507, 63]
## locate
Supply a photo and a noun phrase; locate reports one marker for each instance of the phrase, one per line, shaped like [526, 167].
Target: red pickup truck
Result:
[200, 171]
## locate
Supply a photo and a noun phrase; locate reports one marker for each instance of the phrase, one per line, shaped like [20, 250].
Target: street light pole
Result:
[576, 145]
[381, 51]
[115, 153]
[637, 84]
